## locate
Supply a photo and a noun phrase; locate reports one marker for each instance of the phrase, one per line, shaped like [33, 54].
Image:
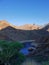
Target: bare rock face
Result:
[46, 27]
[45, 34]
[16, 33]
[3, 24]
[24, 32]
[4, 37]
[29, 27]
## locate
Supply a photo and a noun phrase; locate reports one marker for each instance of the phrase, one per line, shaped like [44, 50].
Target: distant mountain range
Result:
[24, 32]
[4, 24]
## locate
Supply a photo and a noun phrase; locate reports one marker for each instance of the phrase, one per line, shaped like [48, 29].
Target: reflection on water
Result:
[25, 50]
[28, 61]
[31, 60]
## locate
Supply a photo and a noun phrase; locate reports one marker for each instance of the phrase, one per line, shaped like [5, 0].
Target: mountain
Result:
[29, 27]
[46, 27]
[45, 34]
[16, 32]
[24, 32]
[4, 24]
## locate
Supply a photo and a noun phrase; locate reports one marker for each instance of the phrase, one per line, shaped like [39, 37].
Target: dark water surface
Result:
[31, 60]
[28, 61]
[26, 47]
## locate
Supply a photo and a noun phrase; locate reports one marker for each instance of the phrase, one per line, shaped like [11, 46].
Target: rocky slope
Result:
[3, 24]
[25, 32]
[17, 33]
[29, 27]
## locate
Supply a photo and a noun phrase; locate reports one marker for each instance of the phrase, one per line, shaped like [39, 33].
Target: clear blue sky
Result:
[19, 12]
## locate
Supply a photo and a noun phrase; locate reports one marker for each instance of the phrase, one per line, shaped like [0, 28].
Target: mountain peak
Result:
[29, 27]
[3, 24]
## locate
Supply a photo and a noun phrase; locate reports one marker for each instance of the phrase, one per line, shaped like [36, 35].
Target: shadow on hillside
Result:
[12, 34]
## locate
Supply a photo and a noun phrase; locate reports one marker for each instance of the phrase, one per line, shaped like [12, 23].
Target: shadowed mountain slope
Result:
[18, 32]
[26, 32]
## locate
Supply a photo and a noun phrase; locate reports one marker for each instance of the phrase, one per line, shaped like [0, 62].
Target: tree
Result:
[9, 52]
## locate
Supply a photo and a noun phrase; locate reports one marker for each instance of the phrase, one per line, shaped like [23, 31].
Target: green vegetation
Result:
[45, 63]
[9, 53]
[41, 58]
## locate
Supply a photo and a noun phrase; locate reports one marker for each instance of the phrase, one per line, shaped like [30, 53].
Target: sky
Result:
[20, 12]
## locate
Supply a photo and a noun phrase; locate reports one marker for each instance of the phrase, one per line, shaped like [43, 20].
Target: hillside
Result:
[17, 33]
[29, 27]
[24, 32]
[3, 24]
